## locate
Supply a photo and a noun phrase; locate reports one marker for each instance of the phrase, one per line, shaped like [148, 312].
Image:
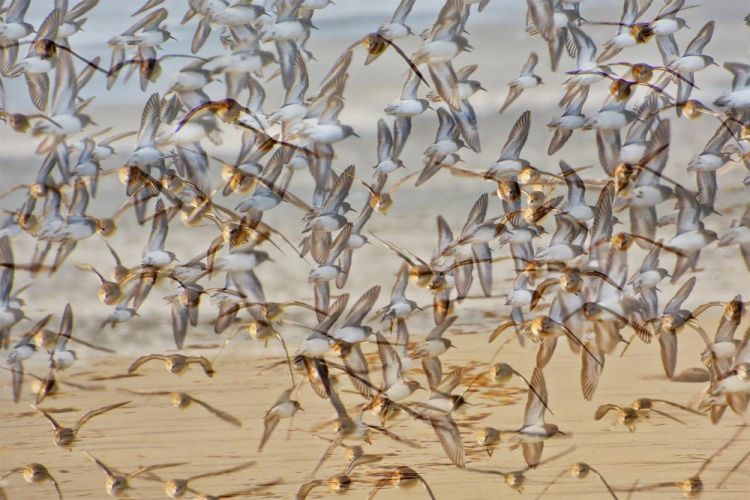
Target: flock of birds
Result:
[577, 284]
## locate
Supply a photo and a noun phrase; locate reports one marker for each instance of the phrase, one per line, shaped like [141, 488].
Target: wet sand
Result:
[149, 430]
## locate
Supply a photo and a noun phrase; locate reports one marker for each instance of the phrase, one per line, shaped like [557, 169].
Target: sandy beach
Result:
[249, 376]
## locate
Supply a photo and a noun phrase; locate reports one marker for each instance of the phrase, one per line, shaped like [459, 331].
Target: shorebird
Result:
[406, 107]
[352, 331]
[736, 380]
[434, 344]
[65, 437]
[510, 163]
[444, 150]
[177, 488]
[687, 64]
[117, 484]
[110, 292]
[692, 486]
[738, 97]
[336, 484]
[183, 400]
[527, 80]
[531, 436]
[396, 26]
[35, 473]
[629, 416]
[401, 477]
[488, 438]
[357, 457]
[284, 407]
[61, 355]
[12, 29]
[443, 42]
[174, 363]
[395, 386]
[516, 479]
[580, 470]
[399, 306]
[722, 349]
[692, 235]
[629, 32]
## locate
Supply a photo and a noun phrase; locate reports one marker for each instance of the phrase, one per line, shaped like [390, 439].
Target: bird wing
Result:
[477, 214]
[390, 361]
[270, 422]
[159, 228]
[532, 453]
[433, 370]
[100, 464]
[144, 359]
[150, 121]
[590, 373]
[534, 412]
[204, 362]
[179, 323]
[604, 409]
[699, 42]
[516, 138]
[362, 307]
[6, 271]
[93, 413]
[49, 417]
[450, 438]
[437, 331]
[668, 348]
[675, 304]
[357, 368]
[231, 419]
